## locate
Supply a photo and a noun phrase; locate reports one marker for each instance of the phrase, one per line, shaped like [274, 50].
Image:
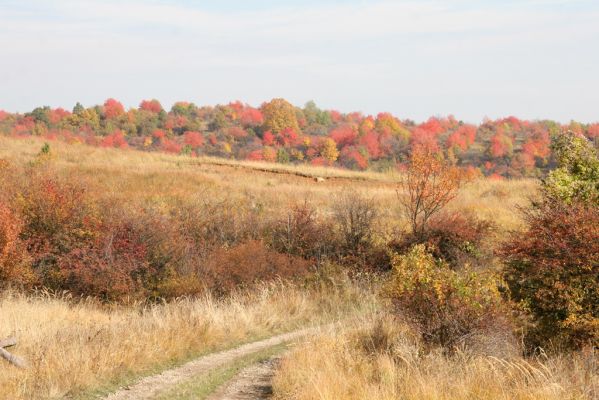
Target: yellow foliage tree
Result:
[279, 115]
[329, 150]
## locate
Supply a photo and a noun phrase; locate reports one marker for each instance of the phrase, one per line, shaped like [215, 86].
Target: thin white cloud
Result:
[360, 55]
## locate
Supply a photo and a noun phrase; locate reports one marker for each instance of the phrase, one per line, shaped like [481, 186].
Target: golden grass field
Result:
[375, 358]
[76, 347]
[163, 178]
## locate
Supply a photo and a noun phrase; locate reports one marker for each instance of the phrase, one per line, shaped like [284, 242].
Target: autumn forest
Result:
[279, 132]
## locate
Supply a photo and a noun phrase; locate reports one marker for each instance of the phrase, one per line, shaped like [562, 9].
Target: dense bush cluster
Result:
[59, 233]
[551, 269]
[280, 132]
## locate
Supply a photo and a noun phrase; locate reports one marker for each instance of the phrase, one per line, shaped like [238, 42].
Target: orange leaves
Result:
[429, 184]
[251, 262]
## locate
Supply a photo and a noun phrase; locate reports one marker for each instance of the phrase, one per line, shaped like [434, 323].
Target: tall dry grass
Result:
[376, 360]
[73, 347]
[126, 175]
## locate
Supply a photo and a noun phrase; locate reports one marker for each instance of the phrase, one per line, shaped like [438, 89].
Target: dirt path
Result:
[252, 383]
[151, 386]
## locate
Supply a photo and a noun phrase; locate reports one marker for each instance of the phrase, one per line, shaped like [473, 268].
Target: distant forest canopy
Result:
[277, 131]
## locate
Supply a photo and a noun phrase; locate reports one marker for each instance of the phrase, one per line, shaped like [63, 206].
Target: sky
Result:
[534, 59]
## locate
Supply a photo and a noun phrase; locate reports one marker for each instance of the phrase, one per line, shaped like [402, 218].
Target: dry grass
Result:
[381, 360]
[73, 347]
[162, 178]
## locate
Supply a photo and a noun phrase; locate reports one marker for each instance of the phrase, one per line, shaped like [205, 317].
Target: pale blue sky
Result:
[529, 58]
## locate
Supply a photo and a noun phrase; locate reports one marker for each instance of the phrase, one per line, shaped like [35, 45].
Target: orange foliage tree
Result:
[429, 184]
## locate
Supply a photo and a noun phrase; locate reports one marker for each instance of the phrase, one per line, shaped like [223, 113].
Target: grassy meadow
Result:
[162, 178]
[78, 346]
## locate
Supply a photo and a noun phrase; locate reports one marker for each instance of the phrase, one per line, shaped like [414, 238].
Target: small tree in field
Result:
[430, 183]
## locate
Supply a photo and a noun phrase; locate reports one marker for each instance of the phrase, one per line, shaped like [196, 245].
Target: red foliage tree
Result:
[344, 135]
[501, 144]
[193, 139]
[251, 117]
[370, 141]
[432, 126]
[113, 109]
[56, 115]
[116, 139]
[268, 138]
[255, 155]
[159, 134]
[171, 146]
[288, 137]
[424, 139]
[153, 106]
[463, 137]
[237, 132]
[352, 158]
[592, 131]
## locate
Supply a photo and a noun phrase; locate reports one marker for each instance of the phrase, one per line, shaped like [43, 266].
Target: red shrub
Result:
[13, 269]
[58, 216]
[552, 269]
[249, 263]
[112, 267]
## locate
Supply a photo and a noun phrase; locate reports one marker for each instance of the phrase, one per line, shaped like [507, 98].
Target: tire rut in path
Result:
[151, 386]
[252, 383]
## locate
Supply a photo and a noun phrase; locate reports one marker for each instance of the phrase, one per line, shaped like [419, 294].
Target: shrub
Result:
[444, 306]
[249, 263]
[302, 233]
[552, 270]
[171, 253]
[58, 216]
[215, 220]
[456, 238]
[112, 267]
[354, 215]
[577, 175]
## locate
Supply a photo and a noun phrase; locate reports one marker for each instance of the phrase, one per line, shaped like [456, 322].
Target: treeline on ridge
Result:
[279, 132]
